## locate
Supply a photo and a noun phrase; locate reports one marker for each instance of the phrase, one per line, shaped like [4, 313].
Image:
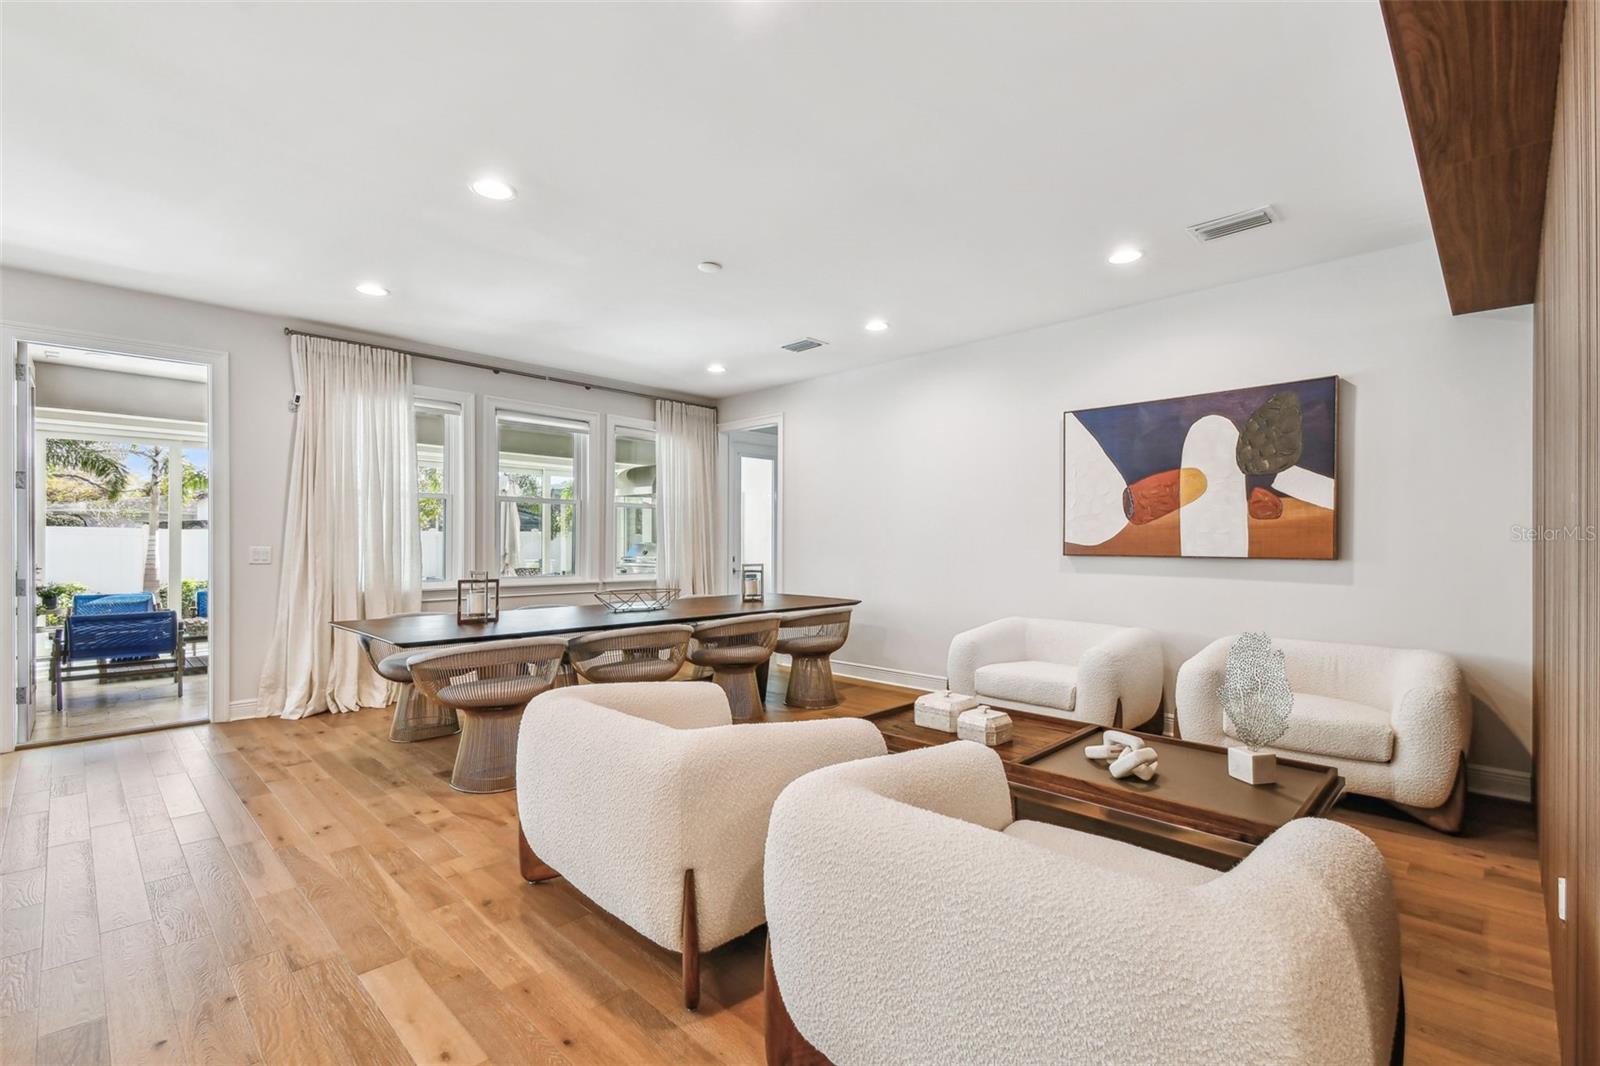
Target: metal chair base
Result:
[810, 683]
[486, 761]
[738, 683]
[418, 718]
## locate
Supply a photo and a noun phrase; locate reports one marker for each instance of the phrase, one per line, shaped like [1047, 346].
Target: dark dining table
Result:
[427, 630]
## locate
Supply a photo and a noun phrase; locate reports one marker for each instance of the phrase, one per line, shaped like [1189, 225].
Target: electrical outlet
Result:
[1561, 898]
[260, 555]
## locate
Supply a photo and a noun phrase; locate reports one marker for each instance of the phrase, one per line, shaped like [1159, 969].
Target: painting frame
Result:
[1160, 462]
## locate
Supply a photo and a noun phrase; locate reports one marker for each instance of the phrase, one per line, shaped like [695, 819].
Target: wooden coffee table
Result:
[1192, 809]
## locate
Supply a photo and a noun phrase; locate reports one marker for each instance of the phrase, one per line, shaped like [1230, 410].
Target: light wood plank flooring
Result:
[306, 892]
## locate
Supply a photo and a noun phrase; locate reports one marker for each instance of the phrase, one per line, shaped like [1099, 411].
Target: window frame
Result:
[583, 495]
[637, 427]
[457, 465]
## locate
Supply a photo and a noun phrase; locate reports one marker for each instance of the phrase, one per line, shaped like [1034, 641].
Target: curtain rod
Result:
[291, 332]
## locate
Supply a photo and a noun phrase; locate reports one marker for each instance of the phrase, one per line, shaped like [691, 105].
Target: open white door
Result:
[23, 511]
[752, 495]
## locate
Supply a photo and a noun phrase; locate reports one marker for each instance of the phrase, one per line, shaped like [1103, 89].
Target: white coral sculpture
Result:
[1255, 691]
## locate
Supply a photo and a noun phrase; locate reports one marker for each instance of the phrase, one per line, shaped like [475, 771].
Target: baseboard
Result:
[887, 676]
[1516, 785]
[239, 710]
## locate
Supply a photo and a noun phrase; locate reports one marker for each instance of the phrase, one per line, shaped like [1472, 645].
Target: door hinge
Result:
[22, 587]
[21, 370]
[22, 479]
[22, 695]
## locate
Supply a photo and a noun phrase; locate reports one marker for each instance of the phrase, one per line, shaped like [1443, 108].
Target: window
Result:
[439, 479]
[539, 494]
[633, 494]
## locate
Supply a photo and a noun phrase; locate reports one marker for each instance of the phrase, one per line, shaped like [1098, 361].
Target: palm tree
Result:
[97, 464]
[195, 485]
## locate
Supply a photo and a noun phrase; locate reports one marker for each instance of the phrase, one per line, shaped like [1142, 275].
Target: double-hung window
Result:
[440, 512]
[540, 480]
[633, 496]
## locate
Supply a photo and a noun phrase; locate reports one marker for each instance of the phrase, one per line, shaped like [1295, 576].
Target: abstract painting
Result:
[1247, 473]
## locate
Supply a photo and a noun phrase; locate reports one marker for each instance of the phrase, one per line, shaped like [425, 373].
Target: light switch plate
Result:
[260, 555]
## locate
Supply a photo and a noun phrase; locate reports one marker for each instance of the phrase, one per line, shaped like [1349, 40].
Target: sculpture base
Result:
[1252, 767]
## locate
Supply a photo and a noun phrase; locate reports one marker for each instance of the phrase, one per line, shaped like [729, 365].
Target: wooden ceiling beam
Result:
[1478, 78]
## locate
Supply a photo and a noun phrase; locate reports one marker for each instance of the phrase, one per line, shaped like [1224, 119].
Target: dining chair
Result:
[733, 648]
[488, 685]
[809, 638]
[652, 653]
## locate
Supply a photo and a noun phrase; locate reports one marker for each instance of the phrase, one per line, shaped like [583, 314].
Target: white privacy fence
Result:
[111, 559]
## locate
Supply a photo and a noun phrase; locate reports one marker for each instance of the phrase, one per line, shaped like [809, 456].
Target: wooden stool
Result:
[733, 649]
[415, 716]
[654, 653]
[809, 638]
[489, 686]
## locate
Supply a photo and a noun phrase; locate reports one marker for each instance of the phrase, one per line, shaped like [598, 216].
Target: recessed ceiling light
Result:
[371, 288]
[716, 368]
[710, 266]
[876, 325]
[1125, 255]
[493, 189]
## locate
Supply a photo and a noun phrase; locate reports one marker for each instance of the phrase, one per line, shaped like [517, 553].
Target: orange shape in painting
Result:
[1264, 504]
[1160, 494]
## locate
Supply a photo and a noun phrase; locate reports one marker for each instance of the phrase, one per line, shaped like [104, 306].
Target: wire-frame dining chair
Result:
[488, 685]
[809, 638]
[733, 648]
[416, 717]
[651, 653]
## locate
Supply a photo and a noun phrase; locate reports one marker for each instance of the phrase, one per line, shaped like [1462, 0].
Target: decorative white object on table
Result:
[1257, 699]
[984, 725]
[939, 710]
[1128, 755]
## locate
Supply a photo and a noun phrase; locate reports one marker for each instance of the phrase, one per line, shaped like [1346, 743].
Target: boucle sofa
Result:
[911, 920]
[1107, 675]
[1395, 722]
[650, 803]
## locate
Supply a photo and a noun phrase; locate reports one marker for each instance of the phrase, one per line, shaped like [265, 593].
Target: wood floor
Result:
[305, 892]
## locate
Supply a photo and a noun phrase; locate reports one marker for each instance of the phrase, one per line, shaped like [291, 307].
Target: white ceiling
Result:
[959, 169]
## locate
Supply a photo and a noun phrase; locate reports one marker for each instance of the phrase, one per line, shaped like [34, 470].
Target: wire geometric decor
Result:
[623, 600]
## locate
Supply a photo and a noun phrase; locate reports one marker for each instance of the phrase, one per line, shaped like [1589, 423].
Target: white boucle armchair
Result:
[648, 801]
[911, 920]
[1394, 722]
[1106, 675]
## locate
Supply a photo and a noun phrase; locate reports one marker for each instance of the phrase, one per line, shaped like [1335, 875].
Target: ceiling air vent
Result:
[804, 344]
[1228, 225]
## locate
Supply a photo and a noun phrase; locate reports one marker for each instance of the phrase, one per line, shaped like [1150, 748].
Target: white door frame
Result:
[724, 505]
[15, 334]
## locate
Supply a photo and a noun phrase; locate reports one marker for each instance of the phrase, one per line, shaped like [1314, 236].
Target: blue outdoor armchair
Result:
[125, 644]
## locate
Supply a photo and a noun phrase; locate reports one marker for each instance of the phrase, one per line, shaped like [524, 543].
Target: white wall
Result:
[260, 420]
[931, 487]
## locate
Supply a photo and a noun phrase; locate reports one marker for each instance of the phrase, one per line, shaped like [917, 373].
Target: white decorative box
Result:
[985, 725]
[939, 710]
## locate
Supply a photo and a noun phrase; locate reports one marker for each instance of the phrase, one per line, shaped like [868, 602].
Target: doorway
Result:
[752, 491]
[113, 542]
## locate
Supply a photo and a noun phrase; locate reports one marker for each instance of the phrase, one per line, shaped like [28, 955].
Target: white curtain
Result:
[686, 479]
[351, 544]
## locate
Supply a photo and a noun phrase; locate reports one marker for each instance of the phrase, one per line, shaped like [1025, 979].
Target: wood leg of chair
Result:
[1397, 1051]
[486, 761]
[1446, 818]
[785, 1045]
[534, 869]
[691, 945]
